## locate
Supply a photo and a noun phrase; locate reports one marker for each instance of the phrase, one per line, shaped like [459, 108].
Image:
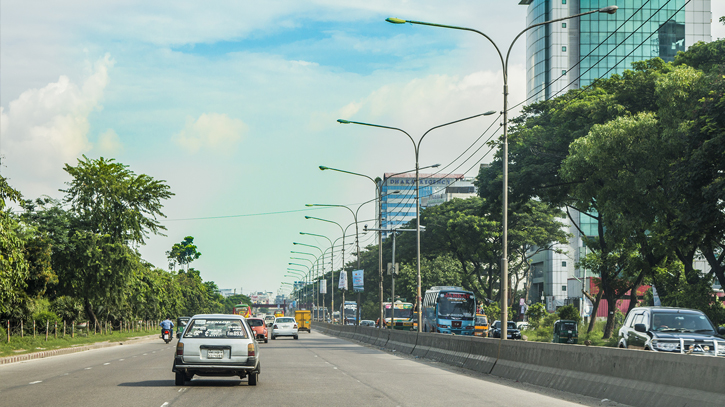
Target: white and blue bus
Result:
[449, 310]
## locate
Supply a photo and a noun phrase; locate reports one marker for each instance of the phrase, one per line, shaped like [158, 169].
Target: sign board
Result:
[357, 281]
[395, 270]
[343, 280]
[323, 286]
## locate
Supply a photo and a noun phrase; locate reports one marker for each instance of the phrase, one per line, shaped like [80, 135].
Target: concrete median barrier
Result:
[401, 341]
[637, 378]
[451, 350]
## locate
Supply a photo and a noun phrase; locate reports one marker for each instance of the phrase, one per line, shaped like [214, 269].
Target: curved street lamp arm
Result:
[322, 167]
[342, 121]
[308, 245]
[490, 112]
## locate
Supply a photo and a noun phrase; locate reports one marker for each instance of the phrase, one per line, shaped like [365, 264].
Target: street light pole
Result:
[504, 249]
[416, 147]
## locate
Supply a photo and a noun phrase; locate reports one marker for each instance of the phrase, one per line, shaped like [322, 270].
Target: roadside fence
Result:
[55, 329]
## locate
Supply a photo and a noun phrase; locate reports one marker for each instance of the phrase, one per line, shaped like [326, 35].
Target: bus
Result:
[243, 310]
[450, 310]
[403, 315]
[348, 310]
[320, 314]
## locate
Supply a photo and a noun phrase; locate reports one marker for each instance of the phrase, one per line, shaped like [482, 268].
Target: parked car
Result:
[511, 331]
[259, 328]
[284, 326]
[367, 322]
[565, 331]
[217, 345]
[269, 320]
[481, 325]
[668, 329]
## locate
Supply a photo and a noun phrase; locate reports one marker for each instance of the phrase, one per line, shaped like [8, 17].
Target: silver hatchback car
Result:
[284, 326]
[217, 345]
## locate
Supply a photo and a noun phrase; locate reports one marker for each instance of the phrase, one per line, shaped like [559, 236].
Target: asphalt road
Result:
[316, 370]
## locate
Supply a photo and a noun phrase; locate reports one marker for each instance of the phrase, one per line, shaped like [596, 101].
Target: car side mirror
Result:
[721, 330]
[640, 328]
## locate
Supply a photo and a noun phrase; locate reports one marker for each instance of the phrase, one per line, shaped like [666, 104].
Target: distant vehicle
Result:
[278, 313]
[565, 331]
[269, 320]
[676, 330]
[180, 325]
[303, 319]
[284, 326]
[259, 328]
[350, 311]
[450, 310]
[367, 322]
[243, 310]
[402, 312]
[481, 326]
[336, 317]
[217, 345]
[511, 331]
[320, 314]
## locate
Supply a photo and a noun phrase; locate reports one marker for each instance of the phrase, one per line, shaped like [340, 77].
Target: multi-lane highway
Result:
[316, 370]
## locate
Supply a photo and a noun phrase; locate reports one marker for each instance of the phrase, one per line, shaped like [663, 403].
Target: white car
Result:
[284, 326]
[269, 320]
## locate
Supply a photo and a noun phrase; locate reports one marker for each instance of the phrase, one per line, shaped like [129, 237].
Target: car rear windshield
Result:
[284, 320]
[255, 322]
[216, 328]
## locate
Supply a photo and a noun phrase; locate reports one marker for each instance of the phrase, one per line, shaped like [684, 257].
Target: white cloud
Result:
[45, 128]
[212, 131]
[109, 144]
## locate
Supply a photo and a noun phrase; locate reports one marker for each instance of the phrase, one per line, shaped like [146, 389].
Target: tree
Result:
[184, 253]
[13, 265]
[109, 199]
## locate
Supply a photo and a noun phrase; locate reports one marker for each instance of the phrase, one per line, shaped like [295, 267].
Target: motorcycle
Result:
[166, 335]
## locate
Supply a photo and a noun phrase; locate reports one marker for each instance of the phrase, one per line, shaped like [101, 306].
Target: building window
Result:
[563, 288]
[563, 264]
[563, 25]
[563, 49]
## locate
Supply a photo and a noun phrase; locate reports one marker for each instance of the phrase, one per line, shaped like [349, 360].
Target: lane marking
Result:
[165, 404]
[106, 364]
[120, 360]
[89, 368]
[36, 382]
[145, 354]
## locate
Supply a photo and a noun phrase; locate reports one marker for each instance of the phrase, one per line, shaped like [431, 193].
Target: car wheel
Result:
[252, 378]
[266, 340]
[180, 379]
[274, 337]
[296, 337]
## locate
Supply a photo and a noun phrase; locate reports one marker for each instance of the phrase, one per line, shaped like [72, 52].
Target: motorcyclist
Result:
[166, 325]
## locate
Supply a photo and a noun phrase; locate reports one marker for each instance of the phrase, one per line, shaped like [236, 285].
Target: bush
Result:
[535, 313]
[569, 312]
[43, 316]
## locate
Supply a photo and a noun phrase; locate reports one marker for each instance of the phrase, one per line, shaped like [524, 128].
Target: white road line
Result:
[120, 360]
[145, 354]
[36, 382]
[89, 368]
[106, 364]
[165, 404]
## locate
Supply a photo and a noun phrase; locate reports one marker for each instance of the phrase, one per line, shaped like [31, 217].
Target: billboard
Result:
[323, 286]
[357, 281]
[343, 280]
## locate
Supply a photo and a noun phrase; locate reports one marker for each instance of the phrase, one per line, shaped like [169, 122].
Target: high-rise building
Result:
[399, 209]
[573, 53]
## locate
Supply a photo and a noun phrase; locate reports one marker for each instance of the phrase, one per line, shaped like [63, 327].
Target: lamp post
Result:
[416, 147]
[308, 271]
[331, 255]
[332, 267]
[314, 264]
[504, 64]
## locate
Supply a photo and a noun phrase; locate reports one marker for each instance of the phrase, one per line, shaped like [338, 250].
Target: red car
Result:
[259, 328]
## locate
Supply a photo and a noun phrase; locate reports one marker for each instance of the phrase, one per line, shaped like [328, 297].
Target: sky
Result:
[234, 105]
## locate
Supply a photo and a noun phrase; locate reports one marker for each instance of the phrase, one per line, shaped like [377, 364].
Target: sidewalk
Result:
[65, 351]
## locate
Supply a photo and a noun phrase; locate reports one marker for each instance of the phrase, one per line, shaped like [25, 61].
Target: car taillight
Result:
[295, 327]
[275, 326]
[250, 350]
[180, 349]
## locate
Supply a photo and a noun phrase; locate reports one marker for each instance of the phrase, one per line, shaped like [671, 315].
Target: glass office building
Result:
[573, 53]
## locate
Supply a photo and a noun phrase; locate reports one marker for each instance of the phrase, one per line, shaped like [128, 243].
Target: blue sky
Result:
[234, 104]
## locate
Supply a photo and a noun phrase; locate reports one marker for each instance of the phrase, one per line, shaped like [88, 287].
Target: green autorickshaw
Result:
[565, 331]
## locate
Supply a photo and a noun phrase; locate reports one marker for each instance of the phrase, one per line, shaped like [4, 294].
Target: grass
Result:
[28, 344]
[546, 334]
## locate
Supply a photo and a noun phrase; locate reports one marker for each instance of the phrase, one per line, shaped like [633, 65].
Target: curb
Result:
[65, 351]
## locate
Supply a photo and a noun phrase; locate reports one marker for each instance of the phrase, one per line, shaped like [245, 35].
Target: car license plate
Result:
[508, 336]
[214, 354]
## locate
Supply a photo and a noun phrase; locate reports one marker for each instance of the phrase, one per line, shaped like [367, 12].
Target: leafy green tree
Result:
[535, 313]
[184, 253]
[13, 265]
[109, 199]
[569, 312]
